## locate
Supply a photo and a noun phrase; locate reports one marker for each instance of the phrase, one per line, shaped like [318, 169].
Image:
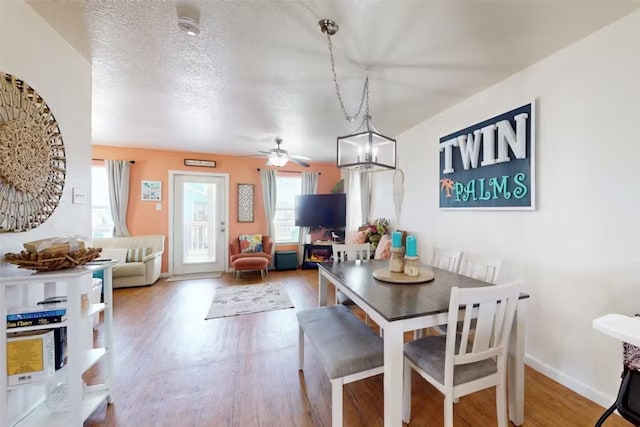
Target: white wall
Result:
[32, 51]
[577, 253]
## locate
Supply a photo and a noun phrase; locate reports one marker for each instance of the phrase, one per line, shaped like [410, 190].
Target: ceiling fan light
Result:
[275, 160]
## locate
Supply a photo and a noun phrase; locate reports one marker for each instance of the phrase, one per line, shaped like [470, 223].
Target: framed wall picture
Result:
[152, 190]
[245, 203]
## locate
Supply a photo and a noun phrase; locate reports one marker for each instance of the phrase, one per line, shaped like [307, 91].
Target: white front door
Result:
[199, 223]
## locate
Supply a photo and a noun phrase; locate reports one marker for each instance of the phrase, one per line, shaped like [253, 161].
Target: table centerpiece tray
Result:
[385, 275]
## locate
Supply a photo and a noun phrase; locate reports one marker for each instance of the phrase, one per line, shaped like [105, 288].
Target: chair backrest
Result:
[446, 259]
[351, 252]
[494, 307]
[480, 267]
[267, 245]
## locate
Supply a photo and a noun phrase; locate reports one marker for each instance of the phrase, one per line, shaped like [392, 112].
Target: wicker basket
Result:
[42, 261]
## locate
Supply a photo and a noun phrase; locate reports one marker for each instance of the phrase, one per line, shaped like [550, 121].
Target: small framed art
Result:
[152, 190]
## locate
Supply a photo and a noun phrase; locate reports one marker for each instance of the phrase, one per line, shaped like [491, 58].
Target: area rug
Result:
[246, 299]
[194, 276]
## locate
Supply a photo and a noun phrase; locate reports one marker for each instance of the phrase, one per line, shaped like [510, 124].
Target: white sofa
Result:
[127, 274]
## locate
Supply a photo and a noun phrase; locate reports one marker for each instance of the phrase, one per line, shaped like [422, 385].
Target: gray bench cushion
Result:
[428, 354]
[342, 342]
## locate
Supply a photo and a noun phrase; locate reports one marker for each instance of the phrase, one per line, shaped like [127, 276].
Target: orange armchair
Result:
[249, 261]
[234, 250]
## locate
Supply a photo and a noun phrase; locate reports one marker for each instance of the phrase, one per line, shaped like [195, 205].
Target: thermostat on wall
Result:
[79, 196]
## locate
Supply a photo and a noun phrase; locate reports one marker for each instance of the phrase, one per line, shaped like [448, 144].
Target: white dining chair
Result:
[446, 259]
[480, 267]
[456, 365]
[350, 252]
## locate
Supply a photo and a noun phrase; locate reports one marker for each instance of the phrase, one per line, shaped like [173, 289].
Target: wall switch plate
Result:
[158, 206]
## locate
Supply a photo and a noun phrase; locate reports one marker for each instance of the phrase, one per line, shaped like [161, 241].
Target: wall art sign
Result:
[152, 190]
[245, 202]
[490, 165]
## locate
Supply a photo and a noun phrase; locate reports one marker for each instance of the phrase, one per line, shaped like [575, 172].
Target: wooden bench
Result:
[347, 348]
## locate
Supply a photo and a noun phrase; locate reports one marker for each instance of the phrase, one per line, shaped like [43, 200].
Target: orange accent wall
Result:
[154, 165]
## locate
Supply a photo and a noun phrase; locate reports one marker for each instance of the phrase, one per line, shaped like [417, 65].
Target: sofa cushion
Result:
[137, 254]
[250, 243]
[128, 269]
[154, 241]
[117, 254]
[355, 237]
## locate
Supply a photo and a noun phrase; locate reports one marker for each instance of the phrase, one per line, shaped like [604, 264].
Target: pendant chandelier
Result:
[366, 149]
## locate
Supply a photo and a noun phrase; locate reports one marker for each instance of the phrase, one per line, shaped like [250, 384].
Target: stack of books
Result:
[34, 316]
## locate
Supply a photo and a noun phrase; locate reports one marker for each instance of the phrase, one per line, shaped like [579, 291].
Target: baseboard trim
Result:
[579, 387]
[165, 275]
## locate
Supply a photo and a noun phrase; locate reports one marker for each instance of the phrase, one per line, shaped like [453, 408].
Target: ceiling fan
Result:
[279, 157]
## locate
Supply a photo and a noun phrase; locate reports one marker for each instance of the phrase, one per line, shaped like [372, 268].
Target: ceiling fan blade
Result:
[300, 157]
[263, 152]
[300, 162]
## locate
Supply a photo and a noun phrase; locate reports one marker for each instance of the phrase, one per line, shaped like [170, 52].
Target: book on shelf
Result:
[47, 320]
[53, 300]
[60, 341]
[30, 356]
[48, 310]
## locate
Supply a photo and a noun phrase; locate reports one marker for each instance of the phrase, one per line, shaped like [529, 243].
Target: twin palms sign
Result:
[490, 165]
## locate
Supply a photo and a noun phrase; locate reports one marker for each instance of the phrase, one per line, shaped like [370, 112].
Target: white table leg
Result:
[393, 374]
[322, 288]
[516, 366]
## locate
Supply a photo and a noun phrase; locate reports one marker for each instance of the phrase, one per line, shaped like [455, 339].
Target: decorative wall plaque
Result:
[200, 163]
[32, 157]
[245, 202]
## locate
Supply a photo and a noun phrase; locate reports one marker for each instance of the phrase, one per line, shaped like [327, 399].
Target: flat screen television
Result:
[321, 210]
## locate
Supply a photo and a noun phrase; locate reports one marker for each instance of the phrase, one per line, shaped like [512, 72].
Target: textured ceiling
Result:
[260, 69]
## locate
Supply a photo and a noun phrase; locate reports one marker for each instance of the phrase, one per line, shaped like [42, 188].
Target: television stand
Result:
[315, 253]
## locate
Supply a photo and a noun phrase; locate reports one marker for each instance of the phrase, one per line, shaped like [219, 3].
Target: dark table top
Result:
[398, 301]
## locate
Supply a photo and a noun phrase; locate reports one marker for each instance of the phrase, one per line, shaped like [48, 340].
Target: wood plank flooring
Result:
[173, 368]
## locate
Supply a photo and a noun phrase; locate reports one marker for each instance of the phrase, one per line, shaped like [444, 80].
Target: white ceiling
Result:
[260, 69]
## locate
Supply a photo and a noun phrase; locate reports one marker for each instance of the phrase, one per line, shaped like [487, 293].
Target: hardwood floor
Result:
[173, 368]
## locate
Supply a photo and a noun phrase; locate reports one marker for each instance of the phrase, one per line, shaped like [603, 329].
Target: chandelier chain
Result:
[365, 88]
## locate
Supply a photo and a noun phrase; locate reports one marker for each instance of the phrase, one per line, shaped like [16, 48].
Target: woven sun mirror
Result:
[32, 157]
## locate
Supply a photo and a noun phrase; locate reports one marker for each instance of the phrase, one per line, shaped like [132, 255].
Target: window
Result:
[101, 220]
[288, 187]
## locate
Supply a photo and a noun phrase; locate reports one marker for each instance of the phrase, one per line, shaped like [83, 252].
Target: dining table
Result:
[399, 308]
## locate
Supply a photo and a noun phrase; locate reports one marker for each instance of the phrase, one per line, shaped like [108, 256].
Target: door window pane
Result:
[101, 219]
[199, 239]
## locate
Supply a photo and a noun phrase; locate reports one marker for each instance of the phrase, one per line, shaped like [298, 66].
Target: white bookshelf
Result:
[25, 404]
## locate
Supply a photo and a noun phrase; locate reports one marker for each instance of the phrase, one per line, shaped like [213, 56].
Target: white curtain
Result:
[309, 186]
[352, 190]
[118, 177]
[365, 196]
[269, 197]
